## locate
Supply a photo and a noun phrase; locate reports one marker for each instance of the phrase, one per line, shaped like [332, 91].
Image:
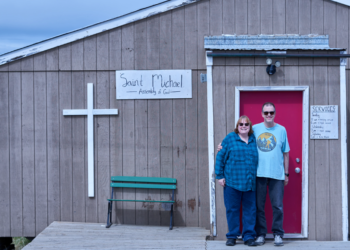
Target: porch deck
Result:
[72, 235]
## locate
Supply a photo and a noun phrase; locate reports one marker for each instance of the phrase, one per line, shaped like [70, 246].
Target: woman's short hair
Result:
[248, 120]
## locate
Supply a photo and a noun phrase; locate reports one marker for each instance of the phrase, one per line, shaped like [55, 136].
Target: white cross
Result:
[90, 112]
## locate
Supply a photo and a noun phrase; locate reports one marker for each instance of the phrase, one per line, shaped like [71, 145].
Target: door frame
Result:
[305, 147]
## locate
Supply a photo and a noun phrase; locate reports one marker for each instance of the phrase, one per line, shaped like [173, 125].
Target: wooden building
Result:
[44, 155]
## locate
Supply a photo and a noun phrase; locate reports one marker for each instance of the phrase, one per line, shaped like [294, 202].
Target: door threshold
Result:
[288, 236]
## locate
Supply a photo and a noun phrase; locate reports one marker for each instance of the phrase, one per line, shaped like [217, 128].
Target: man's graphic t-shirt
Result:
[266, 142]
[271, 143]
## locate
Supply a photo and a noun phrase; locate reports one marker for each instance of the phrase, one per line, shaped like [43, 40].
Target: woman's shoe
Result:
[231, 242]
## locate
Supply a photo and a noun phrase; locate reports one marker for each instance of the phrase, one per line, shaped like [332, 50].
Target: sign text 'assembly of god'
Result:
[154, 84]
[324, 122]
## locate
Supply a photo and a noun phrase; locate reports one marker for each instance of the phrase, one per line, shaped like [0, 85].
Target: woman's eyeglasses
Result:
[245, 124]
[271, 113]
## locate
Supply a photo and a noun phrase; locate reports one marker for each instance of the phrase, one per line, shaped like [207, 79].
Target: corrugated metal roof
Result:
[268, 42]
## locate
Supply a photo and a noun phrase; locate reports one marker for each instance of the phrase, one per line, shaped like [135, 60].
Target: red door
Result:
[289, 108]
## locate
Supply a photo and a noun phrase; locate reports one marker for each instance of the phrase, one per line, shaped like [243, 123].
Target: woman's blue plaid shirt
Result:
[237, 162]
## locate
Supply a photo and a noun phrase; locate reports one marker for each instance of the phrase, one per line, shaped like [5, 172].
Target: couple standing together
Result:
[250, 159]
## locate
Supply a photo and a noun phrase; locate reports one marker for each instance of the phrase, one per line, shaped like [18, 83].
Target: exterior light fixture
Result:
[271, 68]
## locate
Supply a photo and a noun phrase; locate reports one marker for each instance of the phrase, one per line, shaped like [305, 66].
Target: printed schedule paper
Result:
[324, 122]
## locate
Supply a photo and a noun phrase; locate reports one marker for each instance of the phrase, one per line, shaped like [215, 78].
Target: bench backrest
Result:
[143, 182]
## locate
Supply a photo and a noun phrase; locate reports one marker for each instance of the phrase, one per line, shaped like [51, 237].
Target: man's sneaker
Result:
[231, 242]
[278, 241]
[260, 240]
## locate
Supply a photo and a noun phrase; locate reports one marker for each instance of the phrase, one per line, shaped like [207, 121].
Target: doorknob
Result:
[297, 170]
[297, 160]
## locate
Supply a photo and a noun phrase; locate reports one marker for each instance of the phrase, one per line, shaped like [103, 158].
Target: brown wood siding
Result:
[45, 154]
[324, 155]
[166, 144]
[5, 206]
[28, 153]
[15, 152]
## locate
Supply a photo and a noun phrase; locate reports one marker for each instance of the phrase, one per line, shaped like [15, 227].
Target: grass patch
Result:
[20, 242]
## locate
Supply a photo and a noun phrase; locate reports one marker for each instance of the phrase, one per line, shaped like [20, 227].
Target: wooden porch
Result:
[76, 235]
[73, 235]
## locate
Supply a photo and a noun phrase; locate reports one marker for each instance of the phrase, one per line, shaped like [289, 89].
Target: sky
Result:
[24, 22]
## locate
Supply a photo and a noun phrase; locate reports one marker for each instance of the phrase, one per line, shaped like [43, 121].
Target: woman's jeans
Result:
[276, 191]
[233, 199]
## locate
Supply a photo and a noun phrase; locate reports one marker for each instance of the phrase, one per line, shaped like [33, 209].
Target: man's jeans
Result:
[276, 191]
[233, 199]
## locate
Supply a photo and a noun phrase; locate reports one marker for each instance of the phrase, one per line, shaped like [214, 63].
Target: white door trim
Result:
[211, 158]
[343, 142]
[305, 149]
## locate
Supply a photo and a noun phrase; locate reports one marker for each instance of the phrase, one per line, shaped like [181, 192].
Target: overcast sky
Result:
[24, 22]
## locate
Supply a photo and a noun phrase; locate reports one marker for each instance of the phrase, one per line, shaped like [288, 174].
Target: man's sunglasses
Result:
[271, 113]
[245, 124]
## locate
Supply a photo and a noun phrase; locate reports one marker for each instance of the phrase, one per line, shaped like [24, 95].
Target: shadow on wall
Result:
[278, 77]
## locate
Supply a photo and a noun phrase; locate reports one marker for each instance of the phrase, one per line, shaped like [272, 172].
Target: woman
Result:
[235, 168]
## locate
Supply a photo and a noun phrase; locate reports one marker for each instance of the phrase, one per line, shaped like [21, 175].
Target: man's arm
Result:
[222, 182]
[220, 166]
[286, 166]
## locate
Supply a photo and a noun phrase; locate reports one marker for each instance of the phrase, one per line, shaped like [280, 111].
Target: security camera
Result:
[271, 69]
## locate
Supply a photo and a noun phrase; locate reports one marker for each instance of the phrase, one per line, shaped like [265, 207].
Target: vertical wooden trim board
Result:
[91, 160]
[210, 103]
[343, 142]
[305, 155]
[305, 184]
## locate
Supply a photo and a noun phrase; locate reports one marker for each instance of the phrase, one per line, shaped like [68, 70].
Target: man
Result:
[272, 171]
[273, 149]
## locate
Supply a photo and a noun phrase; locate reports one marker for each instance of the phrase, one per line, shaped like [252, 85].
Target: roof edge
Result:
[92, 30]
[345, 2]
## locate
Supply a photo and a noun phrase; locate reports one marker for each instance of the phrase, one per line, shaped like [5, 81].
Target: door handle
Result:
[297, 170]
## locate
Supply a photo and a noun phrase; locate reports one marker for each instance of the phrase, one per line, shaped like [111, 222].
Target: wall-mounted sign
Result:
[324, 122]
[154, 84]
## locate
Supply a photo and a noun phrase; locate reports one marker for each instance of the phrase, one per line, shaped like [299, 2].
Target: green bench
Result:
[141, 182]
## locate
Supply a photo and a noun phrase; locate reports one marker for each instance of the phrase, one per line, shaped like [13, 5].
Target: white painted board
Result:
[153, 84]
[324, 122]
